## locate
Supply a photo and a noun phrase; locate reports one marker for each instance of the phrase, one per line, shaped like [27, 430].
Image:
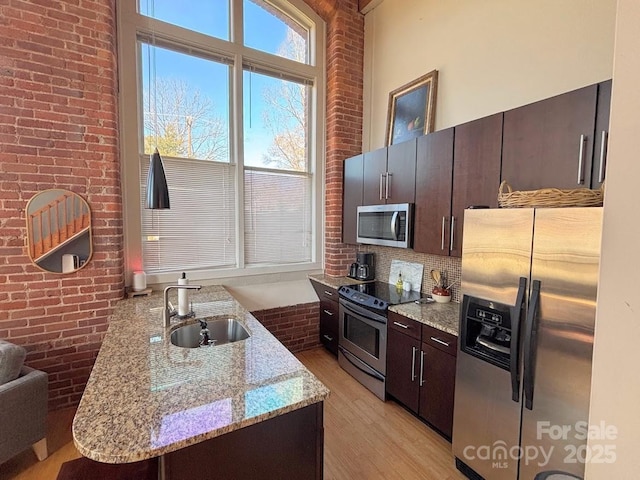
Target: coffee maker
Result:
[363, 268]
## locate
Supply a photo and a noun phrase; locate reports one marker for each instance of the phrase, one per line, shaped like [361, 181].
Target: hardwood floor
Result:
[365, 438]
[61, 449]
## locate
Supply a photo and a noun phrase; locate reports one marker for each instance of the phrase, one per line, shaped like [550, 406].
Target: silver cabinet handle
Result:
[328, 338]
[583, 139]
[387, 193]
[421, 368]
[328, 313]
[442, 234]
[413, 364]
[381, 197]
[328, 293]
[441, 342]
[603, 150]
[453, 226]
[401, 324]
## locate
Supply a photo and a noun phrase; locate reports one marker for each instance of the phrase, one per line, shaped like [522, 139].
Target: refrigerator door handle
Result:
[516, 315]
[530, 345]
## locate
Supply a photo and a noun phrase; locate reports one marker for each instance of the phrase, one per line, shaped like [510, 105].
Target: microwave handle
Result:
[394, 225]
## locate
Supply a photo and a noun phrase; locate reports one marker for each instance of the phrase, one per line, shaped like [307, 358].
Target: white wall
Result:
[492, 55]
[615, 396]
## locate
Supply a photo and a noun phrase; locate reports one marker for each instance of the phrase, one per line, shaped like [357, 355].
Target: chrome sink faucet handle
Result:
[167, 309]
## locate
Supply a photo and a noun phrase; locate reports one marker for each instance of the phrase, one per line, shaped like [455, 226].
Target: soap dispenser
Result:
[183, 296]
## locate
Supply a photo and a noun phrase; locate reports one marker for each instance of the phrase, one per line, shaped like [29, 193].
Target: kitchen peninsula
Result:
[225, 411]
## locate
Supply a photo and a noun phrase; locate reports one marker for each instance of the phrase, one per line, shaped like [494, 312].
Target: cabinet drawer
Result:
[441, 340]
[405, 325]
[324, 292]
[329, 312]
[329, 325]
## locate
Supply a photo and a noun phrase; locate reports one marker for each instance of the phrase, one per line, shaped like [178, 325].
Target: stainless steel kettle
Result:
[353, 270]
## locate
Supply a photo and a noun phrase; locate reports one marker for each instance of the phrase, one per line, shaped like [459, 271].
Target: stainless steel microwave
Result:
[388, 225]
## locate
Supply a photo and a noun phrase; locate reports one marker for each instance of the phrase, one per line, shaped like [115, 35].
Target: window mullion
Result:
[237, 142]
[237, 23]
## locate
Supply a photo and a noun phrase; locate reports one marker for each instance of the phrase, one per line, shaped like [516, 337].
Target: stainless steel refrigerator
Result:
[529, 285]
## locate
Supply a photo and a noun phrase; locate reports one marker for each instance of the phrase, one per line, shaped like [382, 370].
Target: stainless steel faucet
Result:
[167, 310]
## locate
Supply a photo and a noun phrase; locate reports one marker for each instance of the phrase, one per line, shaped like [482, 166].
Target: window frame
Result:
[131, 26]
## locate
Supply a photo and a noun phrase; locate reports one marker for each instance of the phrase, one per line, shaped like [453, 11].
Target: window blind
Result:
[198, 231]
[277, 210]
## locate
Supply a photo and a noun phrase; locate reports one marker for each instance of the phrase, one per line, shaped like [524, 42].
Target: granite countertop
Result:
[443, 316]
[146, 397]
[335, 282]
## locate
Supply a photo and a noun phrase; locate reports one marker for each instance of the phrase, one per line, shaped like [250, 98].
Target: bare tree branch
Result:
[182, 122]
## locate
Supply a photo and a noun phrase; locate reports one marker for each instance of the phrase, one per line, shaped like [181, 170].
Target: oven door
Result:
[364, 334]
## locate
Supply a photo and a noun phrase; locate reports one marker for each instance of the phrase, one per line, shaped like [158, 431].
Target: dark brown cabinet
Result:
[434, 174]
[455, 168]
[389, 174]
[477, 153]
[328, 315]
[438, 375]
[286, 446]
[351, 196]
[421, 363]
[403, 355]
[550, 143]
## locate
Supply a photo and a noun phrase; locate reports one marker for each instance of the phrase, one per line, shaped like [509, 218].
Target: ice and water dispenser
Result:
[487, 330]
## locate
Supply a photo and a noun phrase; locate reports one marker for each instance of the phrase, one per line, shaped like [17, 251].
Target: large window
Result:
[230, 92]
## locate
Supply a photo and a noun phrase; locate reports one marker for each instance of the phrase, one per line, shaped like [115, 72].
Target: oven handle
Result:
[362, 312]
[350, 357]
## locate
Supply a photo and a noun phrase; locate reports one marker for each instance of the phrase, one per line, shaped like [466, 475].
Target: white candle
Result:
[139, 281]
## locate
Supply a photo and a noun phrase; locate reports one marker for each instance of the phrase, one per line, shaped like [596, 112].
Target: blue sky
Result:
[262, 31]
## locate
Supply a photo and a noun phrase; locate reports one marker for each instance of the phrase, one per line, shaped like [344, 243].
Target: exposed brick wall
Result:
[297, 327]
[58, 130]
[345, 64]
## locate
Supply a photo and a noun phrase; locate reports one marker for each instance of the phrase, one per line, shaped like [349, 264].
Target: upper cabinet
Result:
[434, 173]
[560, 142]
[351, 196]
[476, 171]
[389, 174]
[456, 168]
[550, 143]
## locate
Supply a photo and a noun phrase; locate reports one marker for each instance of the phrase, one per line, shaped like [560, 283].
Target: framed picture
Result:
[412, 109]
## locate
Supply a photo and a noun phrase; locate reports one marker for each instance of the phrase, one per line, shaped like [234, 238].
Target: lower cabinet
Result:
[421, 366]
[403, 356]
[328, 316]
[436, 395]
[329, 325]
[286, 446]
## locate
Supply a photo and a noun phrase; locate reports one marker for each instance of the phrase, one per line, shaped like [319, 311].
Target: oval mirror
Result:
[59, 231]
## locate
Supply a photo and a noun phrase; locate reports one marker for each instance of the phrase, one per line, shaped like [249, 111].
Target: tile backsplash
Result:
[384, 256]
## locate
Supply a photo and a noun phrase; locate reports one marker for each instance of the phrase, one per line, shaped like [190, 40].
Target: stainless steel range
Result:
[362, 343]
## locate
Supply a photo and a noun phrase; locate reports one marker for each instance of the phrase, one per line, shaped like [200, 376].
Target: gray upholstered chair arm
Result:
[27, 376]
[23, 411]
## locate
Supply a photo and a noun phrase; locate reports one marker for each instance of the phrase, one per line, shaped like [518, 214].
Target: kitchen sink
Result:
[221, 331]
